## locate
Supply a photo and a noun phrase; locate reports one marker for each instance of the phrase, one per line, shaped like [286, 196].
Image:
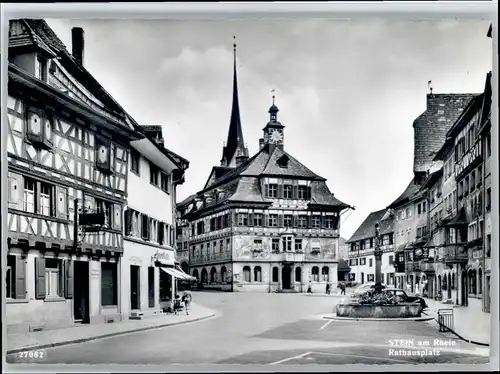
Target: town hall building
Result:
[264, 223]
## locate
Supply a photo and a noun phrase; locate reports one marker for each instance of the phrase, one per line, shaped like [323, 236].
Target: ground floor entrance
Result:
[286, 277]
[135, 287]
[81, 304]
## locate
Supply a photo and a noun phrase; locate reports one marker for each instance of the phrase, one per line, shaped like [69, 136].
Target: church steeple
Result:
[234, 151]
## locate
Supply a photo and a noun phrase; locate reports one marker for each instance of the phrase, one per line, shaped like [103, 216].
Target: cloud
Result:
[348, 90]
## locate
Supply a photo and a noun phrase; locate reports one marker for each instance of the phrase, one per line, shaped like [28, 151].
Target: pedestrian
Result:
[177, 304]
[309, 288]
[328, 288]
[342, 288]
[186, 298]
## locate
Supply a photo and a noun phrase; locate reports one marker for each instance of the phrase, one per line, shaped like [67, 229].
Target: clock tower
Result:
[273, 132]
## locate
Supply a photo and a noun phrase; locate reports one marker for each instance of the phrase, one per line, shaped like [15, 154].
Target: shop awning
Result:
[174, 273]
[186, 276]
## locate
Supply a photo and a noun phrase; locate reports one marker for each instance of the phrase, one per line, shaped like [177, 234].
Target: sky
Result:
[348, 90]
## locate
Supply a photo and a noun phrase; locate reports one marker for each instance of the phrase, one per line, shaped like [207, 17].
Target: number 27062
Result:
[31, 355]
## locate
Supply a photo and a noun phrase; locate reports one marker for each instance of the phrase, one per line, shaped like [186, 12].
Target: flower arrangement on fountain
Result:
[379, 297]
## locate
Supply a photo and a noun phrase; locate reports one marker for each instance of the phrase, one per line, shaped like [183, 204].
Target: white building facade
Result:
[149, 268]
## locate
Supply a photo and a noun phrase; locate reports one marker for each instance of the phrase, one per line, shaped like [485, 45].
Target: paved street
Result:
[252, 328]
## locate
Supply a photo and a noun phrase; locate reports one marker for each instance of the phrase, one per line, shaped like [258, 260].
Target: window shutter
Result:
[161, 232]
[117, 216]
[280, 191]
[266, 220]
[20, 278]
[336, 221]
[309, 222]
[280, 220]
[61, 202]
[39, 278]
[68, 286]
[128, 222]
[250, 219]
[15, 192]
[295, 190]
[266, 190]
[294, 220]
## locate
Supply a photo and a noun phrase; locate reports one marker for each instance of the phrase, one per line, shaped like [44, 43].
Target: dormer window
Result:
[283, 161]
[38, 128]
[41, 68]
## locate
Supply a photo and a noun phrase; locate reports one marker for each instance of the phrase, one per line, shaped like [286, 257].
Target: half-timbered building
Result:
[67, 143]
[149, 266]
[362, 246]
[263, 223]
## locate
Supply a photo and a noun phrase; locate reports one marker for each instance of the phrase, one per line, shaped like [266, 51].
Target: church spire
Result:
[235, 150]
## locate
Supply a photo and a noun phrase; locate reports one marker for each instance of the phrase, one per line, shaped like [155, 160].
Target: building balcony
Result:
[428, 266]
[453, 254]
[413, 267]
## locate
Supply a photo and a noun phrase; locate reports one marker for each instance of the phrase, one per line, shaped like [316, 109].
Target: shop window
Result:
[151, 287]
[109, 286]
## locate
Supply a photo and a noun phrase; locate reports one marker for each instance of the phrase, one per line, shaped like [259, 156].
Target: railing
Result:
[445, 320]
[413, 266]
[453, 254]
[428, 266]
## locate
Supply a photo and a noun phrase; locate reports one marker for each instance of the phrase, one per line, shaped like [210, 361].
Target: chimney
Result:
[261, 143]
[78, 44]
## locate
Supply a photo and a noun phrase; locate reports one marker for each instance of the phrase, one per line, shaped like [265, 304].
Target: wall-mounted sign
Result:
[95, 273]
[164, 257]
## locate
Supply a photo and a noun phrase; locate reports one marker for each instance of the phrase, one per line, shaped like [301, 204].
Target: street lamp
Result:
[378, 260]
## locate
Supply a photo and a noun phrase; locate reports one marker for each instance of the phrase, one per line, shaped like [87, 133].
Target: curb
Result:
[461, 337]
[87, 339]
[416, 319]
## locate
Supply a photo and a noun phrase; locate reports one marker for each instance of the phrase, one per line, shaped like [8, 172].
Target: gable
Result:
[294, 167]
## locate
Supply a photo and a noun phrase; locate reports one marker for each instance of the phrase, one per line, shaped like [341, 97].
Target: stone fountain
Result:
[377, 302]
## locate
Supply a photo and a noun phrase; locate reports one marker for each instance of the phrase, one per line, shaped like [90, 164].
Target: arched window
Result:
[480, 282]
[223, 274]
[257, 274]
[453, 281]
[315, 274]
[196, 274]
[246, 274]
[325, 273]
[298, 274]
[275, 274]
[204, 276]
[440, 284]
[213, 275]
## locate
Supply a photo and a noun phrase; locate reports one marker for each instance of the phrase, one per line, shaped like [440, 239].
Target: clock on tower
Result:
[275, 136]
[273, 132]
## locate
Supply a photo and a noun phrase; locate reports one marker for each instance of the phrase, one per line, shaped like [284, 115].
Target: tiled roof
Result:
[432, 178]
[367, 229]
[186, 201]
[248, 190]
[343, 266]
[242, 183]
[294, 167]
[409, 193]
[430, 127]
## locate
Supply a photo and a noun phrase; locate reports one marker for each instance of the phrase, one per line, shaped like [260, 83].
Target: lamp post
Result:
[378, 260]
